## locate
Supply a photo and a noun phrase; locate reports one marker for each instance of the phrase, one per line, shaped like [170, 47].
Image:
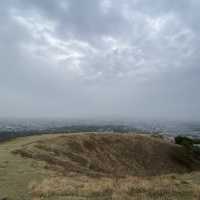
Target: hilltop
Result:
[97, 166]
[110, 155]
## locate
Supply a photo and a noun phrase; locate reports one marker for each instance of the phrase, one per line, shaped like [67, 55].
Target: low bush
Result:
[184, 141]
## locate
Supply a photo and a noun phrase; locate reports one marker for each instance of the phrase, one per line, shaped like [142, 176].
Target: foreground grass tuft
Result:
[158, 188]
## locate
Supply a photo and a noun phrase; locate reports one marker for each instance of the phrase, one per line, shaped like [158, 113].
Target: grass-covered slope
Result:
[96, 166]
[16, 172]
[110, 155]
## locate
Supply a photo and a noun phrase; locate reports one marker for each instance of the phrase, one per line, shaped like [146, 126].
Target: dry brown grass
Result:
[99, 167]
[110, 155]
[82, 187]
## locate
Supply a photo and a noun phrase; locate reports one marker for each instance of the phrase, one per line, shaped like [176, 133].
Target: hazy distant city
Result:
[17, 127]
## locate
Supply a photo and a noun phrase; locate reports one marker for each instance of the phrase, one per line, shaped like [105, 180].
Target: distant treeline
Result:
[7, 135]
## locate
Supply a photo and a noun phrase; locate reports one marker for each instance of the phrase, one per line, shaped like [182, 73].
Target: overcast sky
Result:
[100, 58]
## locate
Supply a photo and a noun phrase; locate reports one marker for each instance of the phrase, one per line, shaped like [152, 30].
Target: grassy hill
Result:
[110, 155]
[97, 166]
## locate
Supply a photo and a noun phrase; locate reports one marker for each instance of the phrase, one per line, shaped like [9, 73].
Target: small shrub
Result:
[184, 141]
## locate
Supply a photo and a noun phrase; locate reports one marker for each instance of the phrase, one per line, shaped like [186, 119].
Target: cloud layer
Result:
[100, 58]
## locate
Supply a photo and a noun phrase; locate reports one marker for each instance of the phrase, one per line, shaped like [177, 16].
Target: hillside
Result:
[97, 166]
[110, 155]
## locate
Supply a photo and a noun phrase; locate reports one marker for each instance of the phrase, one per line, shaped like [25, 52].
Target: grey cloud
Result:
[76, 59]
